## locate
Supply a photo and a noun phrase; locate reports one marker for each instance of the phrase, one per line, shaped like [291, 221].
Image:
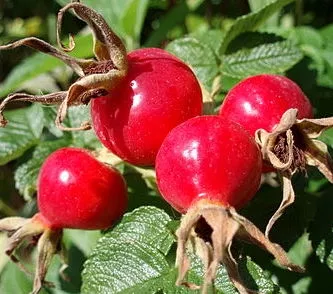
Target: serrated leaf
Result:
[321, 230]
[268, 58]
[131, 254]
[27, 173]
[251, 22]
[39, 63]
[199, 56]
[21, 133]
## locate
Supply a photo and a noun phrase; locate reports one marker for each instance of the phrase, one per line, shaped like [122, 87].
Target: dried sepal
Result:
[107, 45]
[288, 198]
[48, 241]
[76, 64]
[53, 98]
[290, 147]
[225, 225]
[96, 77]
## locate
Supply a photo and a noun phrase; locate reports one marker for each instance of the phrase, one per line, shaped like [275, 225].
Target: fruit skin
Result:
[159, 92]
[210, 158]
[258, 102]
[77, 191]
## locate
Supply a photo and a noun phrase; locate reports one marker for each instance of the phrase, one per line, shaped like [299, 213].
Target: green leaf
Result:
[251, 22]
[321, 230]
[39, 63]
[50, 113]
[21, 133]
[256, 278]
[131, 254]
[167, 22]
[252, 274]
[84, 139]
[76, 115]
[133, 18]
[199, 56]
[211, 38]
[308, 35]
[27, 173]
[268, 58]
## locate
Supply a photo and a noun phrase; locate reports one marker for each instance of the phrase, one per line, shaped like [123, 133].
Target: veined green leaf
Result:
[268, 58]
[199, 56]
[130, 255]
[251, 21]
[21, 133]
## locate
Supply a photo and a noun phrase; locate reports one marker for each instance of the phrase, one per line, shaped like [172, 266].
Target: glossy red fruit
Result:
[259, 102]
[158, 93]
[77, 191]
[209, 158]
[205, 168]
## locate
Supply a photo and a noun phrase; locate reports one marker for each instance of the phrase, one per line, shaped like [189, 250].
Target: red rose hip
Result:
[88, 193]
[158, 93]
[275, 110]
[75, 190]
[205, 167]
[208, 158]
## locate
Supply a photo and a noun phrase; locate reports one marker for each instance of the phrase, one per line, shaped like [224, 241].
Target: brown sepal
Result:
[290, 147]
[226, 224]
[96, 77]
[48, 244]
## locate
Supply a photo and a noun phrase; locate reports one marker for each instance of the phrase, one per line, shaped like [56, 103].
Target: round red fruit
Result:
[210, 158]
[259, 102]
[158, 93]
[77, 191]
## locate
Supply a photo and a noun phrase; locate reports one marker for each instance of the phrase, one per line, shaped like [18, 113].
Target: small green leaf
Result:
[251, 21]
[27, 173]
[268, 58]
[211, 38]
[257, 279]
[199, 56]
[21, 133]
[131, 255]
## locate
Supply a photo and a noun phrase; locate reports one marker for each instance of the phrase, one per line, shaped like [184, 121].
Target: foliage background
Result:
[224, 41]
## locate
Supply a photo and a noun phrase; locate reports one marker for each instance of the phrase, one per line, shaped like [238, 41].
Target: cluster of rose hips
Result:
[146, 107]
